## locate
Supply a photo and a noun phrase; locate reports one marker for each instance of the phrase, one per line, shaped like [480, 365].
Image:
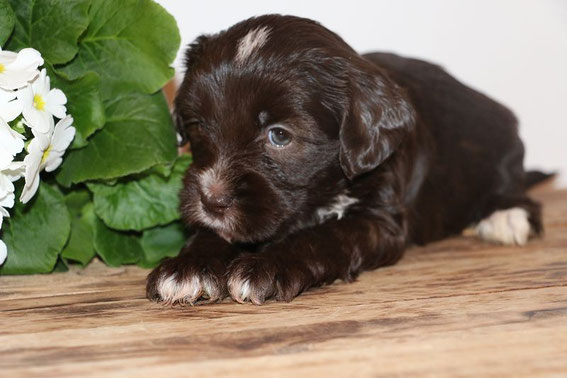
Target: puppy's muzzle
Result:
[217, 202]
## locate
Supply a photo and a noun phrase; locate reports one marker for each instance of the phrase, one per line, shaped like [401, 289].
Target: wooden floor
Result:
[458, 308]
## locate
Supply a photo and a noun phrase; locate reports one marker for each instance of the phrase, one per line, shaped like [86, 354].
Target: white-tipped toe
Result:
[510, 226]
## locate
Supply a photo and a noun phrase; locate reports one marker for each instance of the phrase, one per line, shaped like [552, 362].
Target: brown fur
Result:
[422, 155]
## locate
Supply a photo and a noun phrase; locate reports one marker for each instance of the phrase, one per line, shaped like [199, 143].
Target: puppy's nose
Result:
[217, 202]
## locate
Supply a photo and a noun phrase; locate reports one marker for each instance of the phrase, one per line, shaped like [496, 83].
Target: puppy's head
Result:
[281, 114]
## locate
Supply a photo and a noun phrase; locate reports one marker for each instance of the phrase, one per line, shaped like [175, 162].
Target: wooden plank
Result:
[457, 307]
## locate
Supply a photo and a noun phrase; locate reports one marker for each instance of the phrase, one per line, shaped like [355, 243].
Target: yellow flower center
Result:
[38, 102]
[45, 154]
[2, 68]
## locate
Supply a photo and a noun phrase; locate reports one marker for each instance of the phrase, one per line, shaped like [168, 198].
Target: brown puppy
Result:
[313, 163]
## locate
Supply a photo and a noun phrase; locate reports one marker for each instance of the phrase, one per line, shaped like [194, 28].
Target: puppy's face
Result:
[265, 116]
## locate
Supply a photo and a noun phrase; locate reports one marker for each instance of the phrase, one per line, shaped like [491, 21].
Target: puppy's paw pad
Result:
[510, 226]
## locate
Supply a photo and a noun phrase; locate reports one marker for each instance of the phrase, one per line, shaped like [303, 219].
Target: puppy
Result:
[313, 163]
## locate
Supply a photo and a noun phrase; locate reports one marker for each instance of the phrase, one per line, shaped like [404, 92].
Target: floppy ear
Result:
[182, 138]
[192, 57]
[377, 120]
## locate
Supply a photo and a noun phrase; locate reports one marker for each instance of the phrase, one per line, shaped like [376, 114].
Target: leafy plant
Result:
[115, 194]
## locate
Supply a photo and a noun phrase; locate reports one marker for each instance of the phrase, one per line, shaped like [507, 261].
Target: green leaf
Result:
[51, 26]
[161, 242]
[60, 266]
[140, 203]
[36, 233]
[116, 248]
[130, 44]
[80, 246]
[84, 103]
[138, 135]
[164, 170]
[76, 200]
[7, 21]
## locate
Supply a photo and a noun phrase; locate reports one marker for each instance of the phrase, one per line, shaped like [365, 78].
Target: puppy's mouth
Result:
[244, 210]
[221, 218]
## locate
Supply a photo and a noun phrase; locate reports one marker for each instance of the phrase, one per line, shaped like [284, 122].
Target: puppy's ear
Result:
[182, 138]
[195, 51]
[378, 118]
[192, 58]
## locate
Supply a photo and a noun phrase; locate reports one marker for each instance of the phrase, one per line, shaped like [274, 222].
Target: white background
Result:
[512, 50]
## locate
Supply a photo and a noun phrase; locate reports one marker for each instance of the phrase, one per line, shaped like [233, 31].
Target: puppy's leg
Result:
[511, 221]
[197, 273]
[337, 249]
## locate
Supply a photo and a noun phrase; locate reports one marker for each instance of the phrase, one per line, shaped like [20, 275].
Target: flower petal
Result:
[54, 103]
[29, 191]
[41, 84]
[3, 248]
[32, 160]
[6, 186]
[33, 166]
[14, 80]
[27, 59]
[56, 96]
[7, 57]
[63, 134]
[38, 120]
[11, 141]
[20, 68]
[25, 95]
[8, 200]
[53, 162]
[15, 170]
[5, 158]
[9, 111]
[6, 95]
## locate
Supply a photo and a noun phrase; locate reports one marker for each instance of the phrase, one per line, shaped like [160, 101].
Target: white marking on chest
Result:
[337, 208]
[251, 42]
[510, 226]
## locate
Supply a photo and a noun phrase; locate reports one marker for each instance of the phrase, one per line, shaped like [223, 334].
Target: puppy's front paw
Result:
[187, 279]
[258, 277]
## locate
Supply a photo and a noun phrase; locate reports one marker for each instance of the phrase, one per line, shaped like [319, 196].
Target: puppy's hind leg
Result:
[511, 221]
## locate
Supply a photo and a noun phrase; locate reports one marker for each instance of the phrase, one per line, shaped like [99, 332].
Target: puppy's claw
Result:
[183, 283]
[257, 278]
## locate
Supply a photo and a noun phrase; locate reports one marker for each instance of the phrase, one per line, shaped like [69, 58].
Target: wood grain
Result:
[459, 307]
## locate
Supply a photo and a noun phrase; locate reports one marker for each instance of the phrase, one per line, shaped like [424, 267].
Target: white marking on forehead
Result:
[251, 42]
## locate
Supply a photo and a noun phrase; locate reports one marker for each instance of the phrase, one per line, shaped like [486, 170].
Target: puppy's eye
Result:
[279, 137]
[193, 122]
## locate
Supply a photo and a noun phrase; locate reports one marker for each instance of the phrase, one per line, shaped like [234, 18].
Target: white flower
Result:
[46, 151]
[10, 106]
[40, 103]
[17, 69]
[3, 252]
[11, 143]
[8, 174]
[7, 201]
